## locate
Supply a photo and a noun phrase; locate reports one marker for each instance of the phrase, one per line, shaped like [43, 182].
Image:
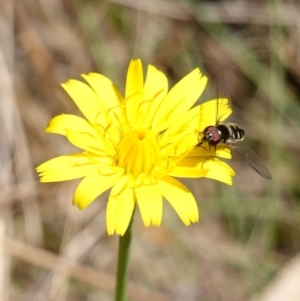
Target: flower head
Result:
[135, 145]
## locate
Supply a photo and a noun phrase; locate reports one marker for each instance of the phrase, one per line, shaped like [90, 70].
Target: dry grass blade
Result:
[17, 145]
[286, 284]
[3, 278]
[226, 11]
[83, 273]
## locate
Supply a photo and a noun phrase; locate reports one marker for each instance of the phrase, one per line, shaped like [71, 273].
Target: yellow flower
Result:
[135, 145]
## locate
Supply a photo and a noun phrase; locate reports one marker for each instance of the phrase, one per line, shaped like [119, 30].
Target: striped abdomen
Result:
[230, 132]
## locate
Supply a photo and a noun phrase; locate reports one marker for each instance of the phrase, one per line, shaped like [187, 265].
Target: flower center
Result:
[138, 152]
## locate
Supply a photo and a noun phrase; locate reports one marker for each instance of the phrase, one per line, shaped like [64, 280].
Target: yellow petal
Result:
[70, 167]
[180, 99]
[149, 199]
[155, 89]
[134, 80]
[91, 187]
[110, 97]
[119, 208]
[223, 151]
[106, 90]
[65, 174]
[220, 150]
[59, 124]
[89, 143]
[218, 170]
[85, 98]
[75, 159]
[187, 172]
[134, 89]
[156, 83]
[185, 125]
[213, 111]
[180, 198]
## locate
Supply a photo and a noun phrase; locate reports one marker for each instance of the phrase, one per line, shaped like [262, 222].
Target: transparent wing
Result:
[252, 159]
[223, 103]
[214, 111]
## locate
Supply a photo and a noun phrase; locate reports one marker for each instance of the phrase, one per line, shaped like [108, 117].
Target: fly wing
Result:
[212, 112]
[253, 159]
[223, 103]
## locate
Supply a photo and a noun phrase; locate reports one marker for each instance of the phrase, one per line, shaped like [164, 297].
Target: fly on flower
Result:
[135, 145]
[229, 134]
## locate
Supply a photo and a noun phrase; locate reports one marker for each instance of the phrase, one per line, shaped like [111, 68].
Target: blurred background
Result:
[246, 245]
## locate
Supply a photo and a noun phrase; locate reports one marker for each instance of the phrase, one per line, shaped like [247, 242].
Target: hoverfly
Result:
[230, 133]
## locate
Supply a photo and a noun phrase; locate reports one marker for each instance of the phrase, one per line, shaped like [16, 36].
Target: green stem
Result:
[123, 260]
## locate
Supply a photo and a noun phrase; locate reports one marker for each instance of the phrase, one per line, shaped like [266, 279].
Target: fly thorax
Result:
[225, 132]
